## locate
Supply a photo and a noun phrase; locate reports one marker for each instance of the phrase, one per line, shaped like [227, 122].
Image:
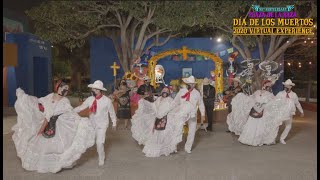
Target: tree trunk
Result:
[124, 50]
[75, 76]
[308, 91]
[73, 83]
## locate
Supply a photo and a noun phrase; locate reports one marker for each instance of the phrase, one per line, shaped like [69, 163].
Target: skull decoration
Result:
[267, 67]
[159, 73]
[247, 74]
[231, 70]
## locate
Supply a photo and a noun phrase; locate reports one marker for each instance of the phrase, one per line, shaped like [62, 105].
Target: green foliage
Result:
[63, 21]
[71, 22]
[61, 68]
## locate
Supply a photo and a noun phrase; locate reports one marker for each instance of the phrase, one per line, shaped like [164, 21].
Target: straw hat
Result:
[97, 85]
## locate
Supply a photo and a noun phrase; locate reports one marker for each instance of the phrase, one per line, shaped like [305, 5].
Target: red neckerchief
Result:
[93, 107]
[187, 95]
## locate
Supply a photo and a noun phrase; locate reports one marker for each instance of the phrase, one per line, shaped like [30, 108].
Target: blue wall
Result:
[102, 56]
[29, 47]
[103, 53]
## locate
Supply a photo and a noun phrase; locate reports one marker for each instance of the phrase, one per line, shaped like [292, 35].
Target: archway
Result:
[184, 51]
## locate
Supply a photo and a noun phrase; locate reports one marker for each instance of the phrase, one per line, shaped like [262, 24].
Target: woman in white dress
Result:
[142, 121]
[48, 135]
[164, 125]
[241, 106]
[264, 117]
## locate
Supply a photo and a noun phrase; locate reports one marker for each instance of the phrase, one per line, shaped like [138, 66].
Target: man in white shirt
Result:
[100, 108]
[190, 94]
[288, 93]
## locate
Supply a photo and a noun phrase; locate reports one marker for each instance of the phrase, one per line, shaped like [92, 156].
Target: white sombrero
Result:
[288, 82]
[189, 80]
[245, 62]
[97, 85]
[273, 65]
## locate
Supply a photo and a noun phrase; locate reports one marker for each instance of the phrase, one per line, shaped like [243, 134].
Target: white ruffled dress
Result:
[241, 106]
[264, 130]
[73, 136]
[163, 142]
[143, 121]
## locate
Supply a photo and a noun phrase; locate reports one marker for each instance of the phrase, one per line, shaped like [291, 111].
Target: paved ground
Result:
[216, 156]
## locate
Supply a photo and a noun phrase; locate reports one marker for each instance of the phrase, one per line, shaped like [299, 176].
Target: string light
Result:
[288, 41]
[308, 38]
[305, 41]
[312, 42]
[310, 63]
[289, 64]
[299, 66]
[280, 64]
[299, 63]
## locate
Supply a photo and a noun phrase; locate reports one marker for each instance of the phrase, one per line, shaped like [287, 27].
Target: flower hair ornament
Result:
[56, 87]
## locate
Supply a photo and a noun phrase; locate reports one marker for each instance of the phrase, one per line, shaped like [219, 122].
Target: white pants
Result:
[288, 124]
[100, 139]
[192, 125]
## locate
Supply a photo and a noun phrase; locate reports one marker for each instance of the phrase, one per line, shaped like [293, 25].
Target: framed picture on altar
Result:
[186, 72]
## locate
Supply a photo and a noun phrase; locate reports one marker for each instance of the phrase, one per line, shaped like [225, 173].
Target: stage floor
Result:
[215, 156]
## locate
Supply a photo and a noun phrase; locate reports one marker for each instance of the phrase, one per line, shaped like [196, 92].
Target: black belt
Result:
[50, 130]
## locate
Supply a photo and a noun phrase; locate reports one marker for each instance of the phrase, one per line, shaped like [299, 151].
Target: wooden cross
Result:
[115, 67]
[184, 53]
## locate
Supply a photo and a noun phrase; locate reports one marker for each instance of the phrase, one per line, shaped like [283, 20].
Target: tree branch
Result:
[119, 17]
[246, 49]
[238, 47]
[282, 48]
[128, 20]
[156, 42]
[271, 46]
[281, 38]
[133, 32]
[261, 47]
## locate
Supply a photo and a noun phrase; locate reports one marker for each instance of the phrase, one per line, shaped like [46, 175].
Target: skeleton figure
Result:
[267, 67]
[232, 69]
[159, 73]
[247, 74]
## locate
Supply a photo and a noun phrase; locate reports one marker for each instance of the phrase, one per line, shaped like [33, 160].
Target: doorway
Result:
[40, 76]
